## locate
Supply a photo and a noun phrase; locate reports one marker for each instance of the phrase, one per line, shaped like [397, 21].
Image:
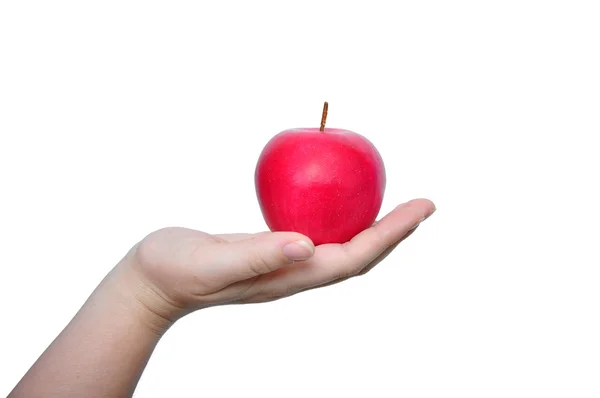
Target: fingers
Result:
[334, 262]
[371, 265]
[370, 243]
[231, 261]
[386, 253]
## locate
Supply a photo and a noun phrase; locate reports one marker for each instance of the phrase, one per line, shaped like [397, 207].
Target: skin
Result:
[172, 272]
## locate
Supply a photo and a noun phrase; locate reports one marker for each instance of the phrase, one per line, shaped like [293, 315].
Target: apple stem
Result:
[324, 117]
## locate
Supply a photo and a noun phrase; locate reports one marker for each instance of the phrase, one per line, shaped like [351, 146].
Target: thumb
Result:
[260, 254]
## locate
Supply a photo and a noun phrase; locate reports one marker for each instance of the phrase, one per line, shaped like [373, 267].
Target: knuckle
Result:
[259, 263]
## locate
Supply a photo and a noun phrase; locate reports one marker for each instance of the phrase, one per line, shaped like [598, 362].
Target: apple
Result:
[325, 183]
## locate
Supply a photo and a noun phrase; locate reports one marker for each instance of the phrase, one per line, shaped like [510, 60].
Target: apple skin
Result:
[327, 185]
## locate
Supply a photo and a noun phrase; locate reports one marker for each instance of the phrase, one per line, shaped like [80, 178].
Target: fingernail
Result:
[299, 250]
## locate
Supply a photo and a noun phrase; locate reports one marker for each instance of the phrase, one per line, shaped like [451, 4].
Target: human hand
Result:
[177, 270]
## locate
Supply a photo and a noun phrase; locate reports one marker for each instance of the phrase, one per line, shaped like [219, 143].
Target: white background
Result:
[121, 117]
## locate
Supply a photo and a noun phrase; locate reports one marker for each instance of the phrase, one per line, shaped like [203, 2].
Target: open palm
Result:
[192, 269]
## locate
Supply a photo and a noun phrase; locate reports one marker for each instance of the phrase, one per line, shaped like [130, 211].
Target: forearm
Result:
[102, 351]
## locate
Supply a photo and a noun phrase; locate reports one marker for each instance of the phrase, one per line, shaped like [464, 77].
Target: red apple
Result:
[326, 184]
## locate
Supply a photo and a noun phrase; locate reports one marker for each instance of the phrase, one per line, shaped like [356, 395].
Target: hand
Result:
[181, 270]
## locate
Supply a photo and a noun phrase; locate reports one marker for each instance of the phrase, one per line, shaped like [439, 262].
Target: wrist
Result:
[141, 299]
